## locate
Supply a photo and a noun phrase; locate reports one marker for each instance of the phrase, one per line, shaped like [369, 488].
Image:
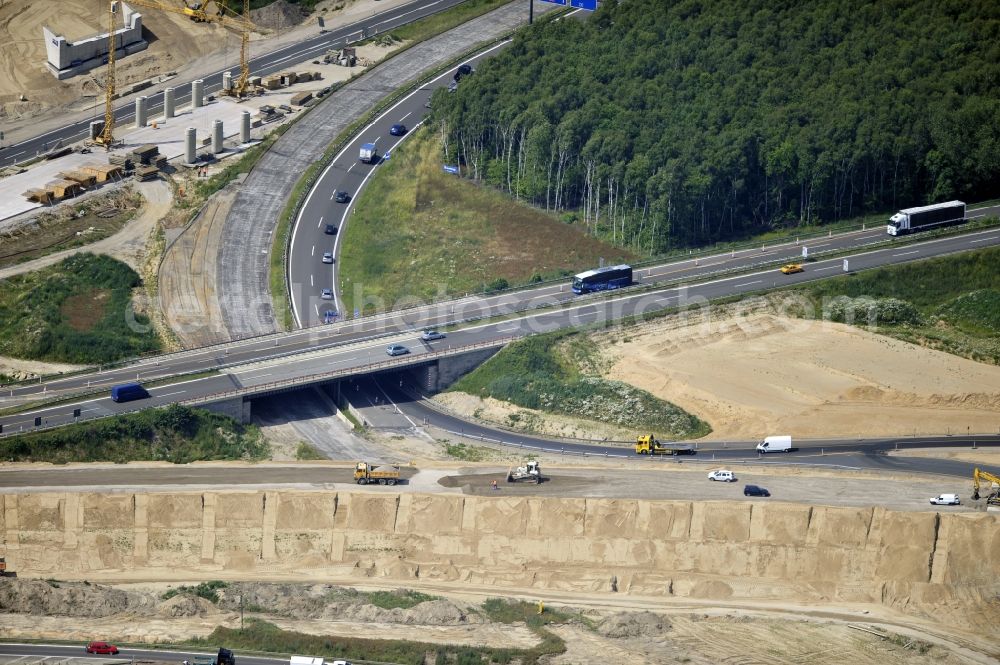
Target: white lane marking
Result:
[317, 309]
[178, 392]
[351, 166]
[748, 283]
[377, 137]
[313, 253]
[332, 194]
[352, 144]
[977, 216]
[982, 240]
[251, 376]
[916, 251]
[821, 269]
[311, 281]
[406, 116]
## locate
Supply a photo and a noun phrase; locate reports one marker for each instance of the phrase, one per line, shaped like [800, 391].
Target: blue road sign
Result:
[386, 156]
[589, 5]
[450, 169]
[555, 2]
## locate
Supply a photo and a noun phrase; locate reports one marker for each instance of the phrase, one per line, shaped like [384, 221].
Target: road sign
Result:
[450, 169]
[805, 252]
[589, 5]
[555, 2]
[845, 266]
[386, 156]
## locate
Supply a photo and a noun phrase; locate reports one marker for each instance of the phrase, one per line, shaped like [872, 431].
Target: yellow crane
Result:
[983, 477]
[240, 22]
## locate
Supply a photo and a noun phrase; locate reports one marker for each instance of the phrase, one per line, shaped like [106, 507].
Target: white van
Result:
[946, 500]
[775, 444]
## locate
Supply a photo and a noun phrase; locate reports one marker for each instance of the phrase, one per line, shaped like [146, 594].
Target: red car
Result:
[102, 647]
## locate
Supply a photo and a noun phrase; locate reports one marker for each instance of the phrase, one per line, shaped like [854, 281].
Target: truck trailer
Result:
[647, 444]
[368, 154]
[925, 217]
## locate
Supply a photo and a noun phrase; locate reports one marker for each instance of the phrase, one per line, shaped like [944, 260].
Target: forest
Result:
[660, 124]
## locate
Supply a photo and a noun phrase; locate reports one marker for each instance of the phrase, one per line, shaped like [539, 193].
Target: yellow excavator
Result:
[984, 477]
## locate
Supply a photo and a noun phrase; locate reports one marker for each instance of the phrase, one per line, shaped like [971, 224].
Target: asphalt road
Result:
[262, 65]
[358, 346]
[25, 652]
[311, 238]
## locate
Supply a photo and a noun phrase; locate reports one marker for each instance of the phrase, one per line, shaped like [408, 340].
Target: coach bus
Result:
[602, 279]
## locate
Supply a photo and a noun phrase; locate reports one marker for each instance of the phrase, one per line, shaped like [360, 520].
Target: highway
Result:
[310, 237]
[30, 653]
[356, 346]
[261, 65]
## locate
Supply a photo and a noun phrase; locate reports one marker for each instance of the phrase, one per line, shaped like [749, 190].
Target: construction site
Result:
[644, 564]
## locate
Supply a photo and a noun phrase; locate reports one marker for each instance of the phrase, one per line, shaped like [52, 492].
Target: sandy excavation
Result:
[760, 374]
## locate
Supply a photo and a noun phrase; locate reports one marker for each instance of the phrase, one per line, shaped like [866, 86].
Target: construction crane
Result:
[237, 21]
[983, 477]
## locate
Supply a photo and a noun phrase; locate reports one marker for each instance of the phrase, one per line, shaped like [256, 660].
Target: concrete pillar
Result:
[168, 103]
[96, 127]
[190, 146]
[245, 127]
[197, 94]
[140, 112]
[216, 137]
[227, 80]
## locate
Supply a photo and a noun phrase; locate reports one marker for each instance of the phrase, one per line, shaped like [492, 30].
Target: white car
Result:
[431, 335]
[722, 475]
[327, 257]
[946, 500]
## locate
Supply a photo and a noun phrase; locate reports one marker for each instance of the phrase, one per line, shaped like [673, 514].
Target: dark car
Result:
[463, 70]
[754, 490]
[102, 647]
[330, 230]
[342, 197]
[397, 129]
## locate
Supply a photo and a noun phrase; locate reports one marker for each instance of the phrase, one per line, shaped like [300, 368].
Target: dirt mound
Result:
[68, 598]
[712, 589]
[633, 624]
[327, 602]
[278, 15]
[185, 605]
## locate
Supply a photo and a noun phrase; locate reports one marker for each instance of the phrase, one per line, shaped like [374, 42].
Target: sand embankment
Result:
[725, 551]
[758, 374]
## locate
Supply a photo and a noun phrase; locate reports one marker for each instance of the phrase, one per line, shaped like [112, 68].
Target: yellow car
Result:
[792, 268]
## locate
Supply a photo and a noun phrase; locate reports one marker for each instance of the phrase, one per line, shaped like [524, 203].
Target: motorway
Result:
[30, 654]
[358, 346]
[261, 65]
[347, 173]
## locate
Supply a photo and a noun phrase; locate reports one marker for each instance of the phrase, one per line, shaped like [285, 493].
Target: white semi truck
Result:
[368, 154]
[925, 217]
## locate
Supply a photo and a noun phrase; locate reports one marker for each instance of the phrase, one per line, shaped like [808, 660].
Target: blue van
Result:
[127, 392]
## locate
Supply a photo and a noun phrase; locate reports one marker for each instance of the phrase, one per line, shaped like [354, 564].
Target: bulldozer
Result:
[531, 472]
[980, 477]
[3, 569]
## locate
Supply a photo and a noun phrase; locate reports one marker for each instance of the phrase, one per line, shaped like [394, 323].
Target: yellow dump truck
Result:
[385, 474]
[647, 444]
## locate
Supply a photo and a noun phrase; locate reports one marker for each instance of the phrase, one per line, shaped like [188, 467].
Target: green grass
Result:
[557, 373]
[394, 247]
[77, 311]
[207, 590]
[951, 303]
[265, 637]
[304, 451]
[176, 434]
[435, 24]
[402, 598]
[465, 452]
